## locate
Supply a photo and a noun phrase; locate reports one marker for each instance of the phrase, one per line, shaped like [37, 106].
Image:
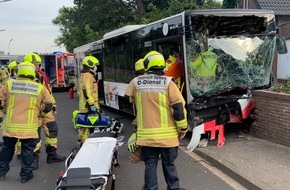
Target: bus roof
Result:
[229, 12]
[122, 30]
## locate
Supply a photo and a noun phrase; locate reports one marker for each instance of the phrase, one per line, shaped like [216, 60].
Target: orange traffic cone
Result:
[71, 93]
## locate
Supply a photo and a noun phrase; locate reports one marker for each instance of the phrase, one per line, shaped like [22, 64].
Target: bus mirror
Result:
[281, 45]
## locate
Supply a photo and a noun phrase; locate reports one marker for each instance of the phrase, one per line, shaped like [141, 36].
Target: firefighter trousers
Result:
[26, 160]
[150, 156]
[50, 129]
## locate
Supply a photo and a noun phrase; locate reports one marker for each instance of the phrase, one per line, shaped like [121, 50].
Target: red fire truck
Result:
[59, 69]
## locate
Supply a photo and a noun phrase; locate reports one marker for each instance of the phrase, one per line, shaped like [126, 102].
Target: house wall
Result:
[281, 65]
[273, 117]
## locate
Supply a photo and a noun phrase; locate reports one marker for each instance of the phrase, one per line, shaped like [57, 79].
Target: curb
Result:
[234, 175]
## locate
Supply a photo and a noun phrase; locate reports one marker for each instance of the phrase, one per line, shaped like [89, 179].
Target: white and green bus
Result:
[243, 40]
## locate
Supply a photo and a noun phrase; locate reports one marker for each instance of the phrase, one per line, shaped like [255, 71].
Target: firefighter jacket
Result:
[161, 114]
[88, 91]
[205, 65]
[23, 101]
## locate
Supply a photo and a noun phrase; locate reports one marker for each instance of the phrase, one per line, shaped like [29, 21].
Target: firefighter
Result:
[48, 122]
[139, 70]
[23, 101]
[139, 67]
[161, 119]
[88, 100]
[174, 68]
[4, 75]
[173, 57]
[12, 69]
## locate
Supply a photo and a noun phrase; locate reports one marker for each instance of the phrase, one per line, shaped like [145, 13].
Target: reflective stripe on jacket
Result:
[23, 101]
[89, 85]
[154, 96]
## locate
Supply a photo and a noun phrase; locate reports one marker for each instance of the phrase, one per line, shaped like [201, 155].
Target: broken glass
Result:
[235, 62]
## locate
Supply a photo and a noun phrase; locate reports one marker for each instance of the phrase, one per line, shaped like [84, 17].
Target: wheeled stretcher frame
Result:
[91, 167]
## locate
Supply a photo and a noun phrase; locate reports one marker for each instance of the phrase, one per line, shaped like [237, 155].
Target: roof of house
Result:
[280, 7]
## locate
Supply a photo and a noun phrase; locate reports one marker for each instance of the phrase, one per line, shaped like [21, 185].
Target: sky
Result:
[27, 26]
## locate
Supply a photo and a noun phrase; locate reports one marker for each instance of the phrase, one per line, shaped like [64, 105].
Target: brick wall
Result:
[273, 117]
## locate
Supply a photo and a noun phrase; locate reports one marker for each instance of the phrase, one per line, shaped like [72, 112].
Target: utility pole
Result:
[9, 46]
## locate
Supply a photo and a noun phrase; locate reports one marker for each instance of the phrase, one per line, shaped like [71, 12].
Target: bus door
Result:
[49, 66]
[176, 69]
[99, 76]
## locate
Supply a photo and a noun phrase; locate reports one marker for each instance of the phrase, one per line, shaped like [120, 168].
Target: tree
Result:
[89, 20]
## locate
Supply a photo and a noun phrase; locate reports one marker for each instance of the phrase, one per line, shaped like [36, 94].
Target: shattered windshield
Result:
[229, 62]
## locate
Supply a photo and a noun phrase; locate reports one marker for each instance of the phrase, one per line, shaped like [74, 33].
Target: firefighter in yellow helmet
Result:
[89, 99]
[139, 70]
[48, 122]
[139, 67]
[23, 101]
[4, 76]
[174, 68]
[12, 68]
[158, 132]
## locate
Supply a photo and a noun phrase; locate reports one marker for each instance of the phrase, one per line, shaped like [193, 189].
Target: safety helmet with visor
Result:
[12, 68]
[139, 67]
[27, 70]
[90, 61]
[154, 61]
[33, 58]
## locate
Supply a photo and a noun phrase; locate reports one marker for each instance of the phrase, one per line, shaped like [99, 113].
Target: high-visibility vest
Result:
[205, 65]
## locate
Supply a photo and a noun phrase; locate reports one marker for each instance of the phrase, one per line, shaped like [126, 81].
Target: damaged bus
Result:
[241, 44]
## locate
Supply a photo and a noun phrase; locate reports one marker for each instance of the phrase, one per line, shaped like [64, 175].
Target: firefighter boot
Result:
[52, 156]
[35, 161]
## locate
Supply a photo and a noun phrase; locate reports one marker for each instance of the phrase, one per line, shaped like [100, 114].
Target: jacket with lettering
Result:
[88, 91]
[161, 114]
[23, 101]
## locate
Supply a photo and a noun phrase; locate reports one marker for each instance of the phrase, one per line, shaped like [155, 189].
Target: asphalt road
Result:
[194, 173]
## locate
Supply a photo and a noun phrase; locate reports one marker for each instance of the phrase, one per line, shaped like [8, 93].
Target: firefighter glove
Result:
[132, 143]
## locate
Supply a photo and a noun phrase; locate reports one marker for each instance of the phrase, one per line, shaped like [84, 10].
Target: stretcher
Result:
[91, 167]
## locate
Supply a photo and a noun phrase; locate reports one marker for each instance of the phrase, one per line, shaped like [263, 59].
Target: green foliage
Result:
[283, 88]
[89, 20]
